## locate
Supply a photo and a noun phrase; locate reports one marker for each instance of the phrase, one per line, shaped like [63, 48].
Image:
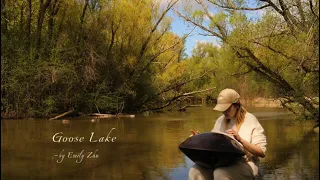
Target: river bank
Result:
[262, 102]
[255, 102]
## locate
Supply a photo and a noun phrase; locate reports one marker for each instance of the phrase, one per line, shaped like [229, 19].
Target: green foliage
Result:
[120, 56]
[275, 55]
[91, 56]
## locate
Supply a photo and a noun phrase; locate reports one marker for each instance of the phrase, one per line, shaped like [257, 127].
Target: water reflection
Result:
[146, 147]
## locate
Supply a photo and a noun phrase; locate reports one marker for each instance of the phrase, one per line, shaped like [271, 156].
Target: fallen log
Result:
[62, 115]
[126, 115]
[99, 115]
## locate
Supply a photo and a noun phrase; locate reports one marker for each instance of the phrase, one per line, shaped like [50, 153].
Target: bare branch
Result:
[300, 9]
[287, 15]
[173, 86]
[199, 25]
[155, 26]
[265, 71]
[202, 34]
[239, 8]
[312, 10]
[179, 96]
[147, 41]
[163, 50]
[221, 29]
[158, 54]
[275, 7]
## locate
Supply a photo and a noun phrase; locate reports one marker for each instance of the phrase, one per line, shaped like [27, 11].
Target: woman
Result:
[245, 128]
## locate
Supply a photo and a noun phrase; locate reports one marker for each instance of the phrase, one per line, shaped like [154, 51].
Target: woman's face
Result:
[231, 112]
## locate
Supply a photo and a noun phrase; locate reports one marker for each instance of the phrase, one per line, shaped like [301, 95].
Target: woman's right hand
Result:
[193, 132]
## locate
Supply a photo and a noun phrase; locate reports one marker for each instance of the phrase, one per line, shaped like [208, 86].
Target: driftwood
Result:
[99, 115]
[62, 115]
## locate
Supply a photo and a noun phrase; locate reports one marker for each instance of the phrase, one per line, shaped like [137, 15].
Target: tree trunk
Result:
[21, 15]
[53, 11]
[82, 20]
[60, 26]
[113, 35]
[4, 19]
[29, 16]
[41, 14]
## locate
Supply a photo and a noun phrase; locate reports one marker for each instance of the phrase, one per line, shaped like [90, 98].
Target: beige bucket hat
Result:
[225, 98]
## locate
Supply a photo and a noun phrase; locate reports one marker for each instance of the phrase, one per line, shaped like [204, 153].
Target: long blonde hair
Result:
[240, 115]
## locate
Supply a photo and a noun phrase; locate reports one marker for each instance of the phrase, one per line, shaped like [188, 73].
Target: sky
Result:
[181, 28]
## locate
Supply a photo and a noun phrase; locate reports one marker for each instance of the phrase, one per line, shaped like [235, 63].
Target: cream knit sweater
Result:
[251, 131]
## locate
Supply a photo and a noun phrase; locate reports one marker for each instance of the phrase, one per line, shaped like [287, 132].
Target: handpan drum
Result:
[212, 149]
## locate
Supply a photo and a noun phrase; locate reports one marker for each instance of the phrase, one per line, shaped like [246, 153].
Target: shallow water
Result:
[146, 147]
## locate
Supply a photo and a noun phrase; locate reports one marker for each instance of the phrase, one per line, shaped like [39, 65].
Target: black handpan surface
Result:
[212, 149]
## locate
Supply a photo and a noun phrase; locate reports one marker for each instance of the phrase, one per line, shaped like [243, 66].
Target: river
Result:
[144, 147]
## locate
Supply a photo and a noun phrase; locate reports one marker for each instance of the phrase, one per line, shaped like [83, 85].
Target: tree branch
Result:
[144, 45]
[179, 96]
[199, 25]
[301, 64]
[311, 8]
[222, 30]
[263, 70]
[274, 50]
[275, 7]
[239, 8]
[157, 55]
[300, 9]
[173, 86]
[241, 73]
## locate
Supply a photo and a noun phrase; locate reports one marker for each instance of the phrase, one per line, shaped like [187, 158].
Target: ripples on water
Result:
[147, 146]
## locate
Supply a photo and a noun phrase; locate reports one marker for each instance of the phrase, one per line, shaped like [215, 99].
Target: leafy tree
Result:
[282, 46]
[88, 55]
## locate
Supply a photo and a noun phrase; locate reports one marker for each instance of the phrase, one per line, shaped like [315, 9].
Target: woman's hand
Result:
[253, 149]
[193, 133]
[235, 134]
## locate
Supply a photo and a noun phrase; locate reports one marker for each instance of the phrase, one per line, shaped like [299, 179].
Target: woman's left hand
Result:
[234, 134]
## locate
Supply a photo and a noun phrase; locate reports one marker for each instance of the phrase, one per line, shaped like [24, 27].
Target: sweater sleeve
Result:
[258, 137]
